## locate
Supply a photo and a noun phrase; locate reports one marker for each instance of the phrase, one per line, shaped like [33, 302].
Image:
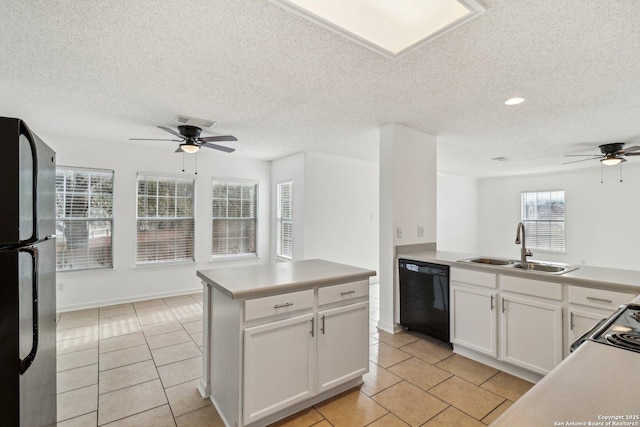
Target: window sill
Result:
[230, 258]
[165, 264]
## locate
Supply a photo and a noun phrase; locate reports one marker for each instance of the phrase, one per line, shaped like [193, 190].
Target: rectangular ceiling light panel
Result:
[390, 27]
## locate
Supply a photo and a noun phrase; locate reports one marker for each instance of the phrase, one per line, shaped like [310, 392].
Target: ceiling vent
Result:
[500, 159]
[192, 121]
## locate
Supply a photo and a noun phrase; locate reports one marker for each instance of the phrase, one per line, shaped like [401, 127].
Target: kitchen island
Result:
[281, 337]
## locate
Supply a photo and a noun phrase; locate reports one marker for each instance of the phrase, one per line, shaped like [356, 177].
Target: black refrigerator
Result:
[27, 278]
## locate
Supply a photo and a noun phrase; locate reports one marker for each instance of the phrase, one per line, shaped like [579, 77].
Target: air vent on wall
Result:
[500, 159]
[192, 121]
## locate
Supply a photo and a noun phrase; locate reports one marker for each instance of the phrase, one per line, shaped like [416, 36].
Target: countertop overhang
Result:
[597, 277]
[269, 279]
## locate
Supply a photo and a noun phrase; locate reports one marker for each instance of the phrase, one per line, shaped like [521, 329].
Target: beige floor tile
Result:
[77, 378]
[175, 353]
[120, 329]
[388, 420]
[75, 322]
[188, 313]
[149, 303]
[156, 317]
[86, 420]
[77, 344]
[305, 418]
[161, 328]
[157, 308]
[396, 340]
[350, 409]
[126, 376]
[156, 417]
[507, 386]
[179, 300]
[180, 372]
[465, 368]
[373, 325]
[193, 327]
[428, 350]
[205, 417]
[170, 338]
[129, 401]
[493, 415]
[199, 297]
[377, 379]
[76, 359]
[117, 310]
[75, 333]
[122, 342]
[411, 404]
[184, 398]
[419, 373]
[127, 356]
[197, 337]
[373, 340]
[453, 417]
[125, 319]
[77, 402]
[386, 355]
[87, 312]
[467, 397]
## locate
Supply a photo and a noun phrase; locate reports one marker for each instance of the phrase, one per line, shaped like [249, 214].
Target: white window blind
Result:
[165, 220]
[234, 210]
[542, 213]
[284, 220]
[84, 218]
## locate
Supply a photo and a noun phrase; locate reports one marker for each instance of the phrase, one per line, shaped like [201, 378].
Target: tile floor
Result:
[138, 364]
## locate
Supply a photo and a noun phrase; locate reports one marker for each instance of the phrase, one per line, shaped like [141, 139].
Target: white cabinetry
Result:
[473, 319]
[278, 353]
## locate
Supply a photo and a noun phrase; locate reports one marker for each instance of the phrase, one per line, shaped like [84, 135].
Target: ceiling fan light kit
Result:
[612, 160]
[189, 148]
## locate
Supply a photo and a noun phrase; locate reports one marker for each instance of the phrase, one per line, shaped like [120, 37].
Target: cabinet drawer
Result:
[598, 297]
[278, 304]
[472, 277]
[537, 288]
[344, 292]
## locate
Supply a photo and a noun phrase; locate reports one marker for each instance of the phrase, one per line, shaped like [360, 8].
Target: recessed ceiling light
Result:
[390, 27]
[514, 101]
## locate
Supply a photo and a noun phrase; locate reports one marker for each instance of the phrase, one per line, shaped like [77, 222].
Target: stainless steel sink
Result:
[538, 266]
[487, 260]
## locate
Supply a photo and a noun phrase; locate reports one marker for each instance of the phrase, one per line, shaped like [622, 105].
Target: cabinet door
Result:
[473, 319]
[278, 366]
[580, 321]
[531, 334]
[343, 344]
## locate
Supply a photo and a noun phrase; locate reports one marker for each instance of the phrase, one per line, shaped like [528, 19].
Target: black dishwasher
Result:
[424, 298]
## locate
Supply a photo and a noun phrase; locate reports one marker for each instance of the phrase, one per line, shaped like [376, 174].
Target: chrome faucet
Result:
[524, 252]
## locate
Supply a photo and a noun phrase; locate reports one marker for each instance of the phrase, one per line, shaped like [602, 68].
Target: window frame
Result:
[529, 229]
[242, 255]
[175, 178]
[92, 172]
[280, 220]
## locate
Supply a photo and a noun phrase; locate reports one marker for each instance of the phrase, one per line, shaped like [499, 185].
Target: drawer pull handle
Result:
[322, 329]
[600, 299]
[286, 304]
[492, 303]
[347, 293]
[311, 331]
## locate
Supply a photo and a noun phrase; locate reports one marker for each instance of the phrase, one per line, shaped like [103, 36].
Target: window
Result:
[84, 218]
[234, 217]
[284, 221]
[543, 218]
[165, 220]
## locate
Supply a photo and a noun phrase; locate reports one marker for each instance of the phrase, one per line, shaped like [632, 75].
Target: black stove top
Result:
[622, 330]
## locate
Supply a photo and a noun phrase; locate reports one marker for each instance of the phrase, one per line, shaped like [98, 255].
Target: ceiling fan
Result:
[612, 154]
[191, 141]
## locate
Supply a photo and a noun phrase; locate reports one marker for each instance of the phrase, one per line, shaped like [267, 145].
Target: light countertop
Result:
[598, 277]
[268, 279]
[594, 382]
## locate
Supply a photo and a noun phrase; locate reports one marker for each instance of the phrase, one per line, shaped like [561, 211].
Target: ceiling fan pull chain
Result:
[196, 163]
[620, 172]
[183, 161]
[601, 174]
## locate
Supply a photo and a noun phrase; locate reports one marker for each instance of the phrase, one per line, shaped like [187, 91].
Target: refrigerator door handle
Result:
[34, 186]
[28, 360]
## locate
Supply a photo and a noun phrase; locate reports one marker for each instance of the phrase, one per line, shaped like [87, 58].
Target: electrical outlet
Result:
[399, 232]
[420, 231]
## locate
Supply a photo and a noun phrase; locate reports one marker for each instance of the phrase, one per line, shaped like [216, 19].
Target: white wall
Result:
[601, 219]
[341, 210]
[125, 282]
[458, 205]
[290, 168]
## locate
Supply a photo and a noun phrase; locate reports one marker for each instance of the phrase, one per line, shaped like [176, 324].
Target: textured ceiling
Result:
[111, 70]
